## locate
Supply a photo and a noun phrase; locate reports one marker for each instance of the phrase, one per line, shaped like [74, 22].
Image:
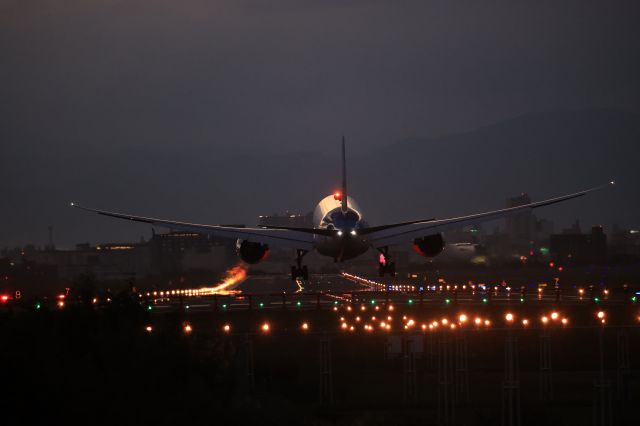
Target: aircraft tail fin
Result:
[344, 200]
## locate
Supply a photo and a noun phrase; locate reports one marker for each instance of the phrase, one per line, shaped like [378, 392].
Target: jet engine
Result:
[251, 252]
[429, 246]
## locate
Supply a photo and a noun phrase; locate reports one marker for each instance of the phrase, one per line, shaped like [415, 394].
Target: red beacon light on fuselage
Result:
[337, 196]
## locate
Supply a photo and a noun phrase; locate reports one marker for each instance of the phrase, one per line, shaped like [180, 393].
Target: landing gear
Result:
[298, 270]
[385, 266]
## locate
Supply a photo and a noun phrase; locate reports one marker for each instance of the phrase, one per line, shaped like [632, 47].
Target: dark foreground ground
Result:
[101, 366]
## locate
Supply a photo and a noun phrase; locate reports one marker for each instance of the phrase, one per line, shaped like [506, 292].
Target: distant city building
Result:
[525, 230]
[578, 248]
[287, 219]
[520, 226]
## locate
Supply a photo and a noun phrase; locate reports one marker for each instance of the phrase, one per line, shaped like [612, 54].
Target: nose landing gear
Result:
[298, 270]
[385, 265]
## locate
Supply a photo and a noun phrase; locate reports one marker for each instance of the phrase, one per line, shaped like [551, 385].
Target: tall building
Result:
[520, 226]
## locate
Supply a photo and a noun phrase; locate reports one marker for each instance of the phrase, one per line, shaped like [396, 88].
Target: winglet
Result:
[344, 179]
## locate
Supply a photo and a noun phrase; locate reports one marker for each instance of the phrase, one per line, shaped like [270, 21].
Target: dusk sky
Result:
[117, 103]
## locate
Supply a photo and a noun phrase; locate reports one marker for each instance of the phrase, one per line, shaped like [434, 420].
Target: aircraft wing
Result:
[405, 233]
[272, 237]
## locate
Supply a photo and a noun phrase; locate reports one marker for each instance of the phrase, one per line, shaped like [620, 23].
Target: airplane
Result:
[339, 231]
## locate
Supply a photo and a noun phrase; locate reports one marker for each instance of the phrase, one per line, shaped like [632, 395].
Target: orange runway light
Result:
[478, 321]
[564, 321]
[265, 327]
[226, 328]
[305, 326]
[462, 318]
[544, 320]
[600, 314]
[525, 322]
[187, 328]
[509, 317]
[148, 329]
[554, 316]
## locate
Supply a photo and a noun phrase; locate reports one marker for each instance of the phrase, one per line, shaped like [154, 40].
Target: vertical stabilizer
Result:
[344, 179]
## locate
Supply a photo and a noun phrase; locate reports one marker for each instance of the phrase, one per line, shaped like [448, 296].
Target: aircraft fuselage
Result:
[346, 243]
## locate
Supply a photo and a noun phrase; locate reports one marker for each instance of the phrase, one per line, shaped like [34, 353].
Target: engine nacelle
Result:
[429, 246]
[251, 252]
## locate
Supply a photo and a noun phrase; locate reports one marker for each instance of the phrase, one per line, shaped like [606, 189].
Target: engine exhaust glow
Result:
[234, 277]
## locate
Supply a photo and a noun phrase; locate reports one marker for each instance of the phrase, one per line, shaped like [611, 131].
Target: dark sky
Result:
[87, 87]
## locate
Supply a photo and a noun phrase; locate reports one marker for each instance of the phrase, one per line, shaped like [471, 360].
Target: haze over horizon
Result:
[220, 111]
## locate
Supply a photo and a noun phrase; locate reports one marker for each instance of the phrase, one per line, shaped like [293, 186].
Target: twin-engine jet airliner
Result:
[339, 231]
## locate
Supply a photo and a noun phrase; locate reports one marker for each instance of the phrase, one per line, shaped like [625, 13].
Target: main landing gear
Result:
[385, 266]
[298, 270]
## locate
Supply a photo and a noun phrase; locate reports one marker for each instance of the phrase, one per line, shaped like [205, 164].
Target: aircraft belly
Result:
[342, 248]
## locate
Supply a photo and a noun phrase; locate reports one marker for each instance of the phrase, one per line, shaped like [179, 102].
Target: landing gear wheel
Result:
[298, 270]
[302, 273]
[385, 266]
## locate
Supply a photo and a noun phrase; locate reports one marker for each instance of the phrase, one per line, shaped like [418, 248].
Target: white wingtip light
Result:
[72, 204]
[613, 182]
